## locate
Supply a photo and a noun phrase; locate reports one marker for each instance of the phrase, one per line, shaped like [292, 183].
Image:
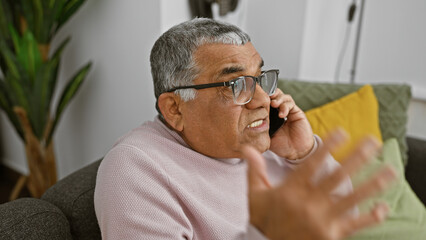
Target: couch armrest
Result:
[73, 195]
[415, 171]
[30, 218]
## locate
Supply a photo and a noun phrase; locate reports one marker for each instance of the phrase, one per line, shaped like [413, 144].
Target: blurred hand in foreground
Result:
[300, 209]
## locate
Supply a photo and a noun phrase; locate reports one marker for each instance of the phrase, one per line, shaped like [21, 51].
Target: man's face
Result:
[213, 124]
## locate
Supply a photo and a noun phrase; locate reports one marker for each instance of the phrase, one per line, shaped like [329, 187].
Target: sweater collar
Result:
[172, 132]
[179, 139]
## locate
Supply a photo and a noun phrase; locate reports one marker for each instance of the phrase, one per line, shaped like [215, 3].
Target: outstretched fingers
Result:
[330, 143]
[377, 183]
[351, 225]
[359, 157]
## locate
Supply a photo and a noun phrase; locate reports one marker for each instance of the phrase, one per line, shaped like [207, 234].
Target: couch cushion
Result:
[357, 113]
[407, 217]
[74, 196]
[393, 103]
[30, 218]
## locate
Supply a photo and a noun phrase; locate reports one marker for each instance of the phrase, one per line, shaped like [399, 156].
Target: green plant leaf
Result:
[5, 18]
[54, 61]
[19, 95]
[26, 10]
[16, 96]
[27, 55]
[48, 22]
[38, 19]
[6, 105]
[70, 8]
[30, 55]
[67, 94]
[29, 81]
[61, 47]
[44, 87]
[15, 39]
[9, 59]
[14, 79]
[57, 9]
[43, 91]
[53, 10]
[38, 112]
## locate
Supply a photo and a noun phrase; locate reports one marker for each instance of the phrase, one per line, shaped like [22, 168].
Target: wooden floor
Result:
[8, 178]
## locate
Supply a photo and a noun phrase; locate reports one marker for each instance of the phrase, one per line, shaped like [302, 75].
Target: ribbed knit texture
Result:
[152, 185]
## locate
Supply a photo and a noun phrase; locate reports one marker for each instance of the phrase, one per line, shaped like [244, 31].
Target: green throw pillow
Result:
[407, 218]
[393, 103]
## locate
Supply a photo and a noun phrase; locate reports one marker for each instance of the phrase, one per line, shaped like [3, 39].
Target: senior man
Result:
[182, 176]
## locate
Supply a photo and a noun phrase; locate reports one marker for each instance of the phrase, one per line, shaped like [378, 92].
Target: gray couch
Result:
[66, 210]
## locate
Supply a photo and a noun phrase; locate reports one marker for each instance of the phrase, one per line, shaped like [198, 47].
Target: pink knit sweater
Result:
[152, 185]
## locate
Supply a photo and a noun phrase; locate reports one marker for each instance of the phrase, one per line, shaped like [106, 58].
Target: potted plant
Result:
[28, 81]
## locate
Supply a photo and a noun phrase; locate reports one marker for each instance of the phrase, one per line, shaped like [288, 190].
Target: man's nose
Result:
[260, 99]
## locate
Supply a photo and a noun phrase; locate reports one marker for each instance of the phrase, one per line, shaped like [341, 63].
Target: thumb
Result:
[256, 172]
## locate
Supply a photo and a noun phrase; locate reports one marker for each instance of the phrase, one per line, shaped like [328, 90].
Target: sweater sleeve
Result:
[254, 234]
[132, 197]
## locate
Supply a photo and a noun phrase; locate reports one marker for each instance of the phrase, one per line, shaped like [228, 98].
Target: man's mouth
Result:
[255, 124]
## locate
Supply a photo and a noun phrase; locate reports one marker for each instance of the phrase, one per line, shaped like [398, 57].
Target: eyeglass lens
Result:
[244, 87]
[268, 82]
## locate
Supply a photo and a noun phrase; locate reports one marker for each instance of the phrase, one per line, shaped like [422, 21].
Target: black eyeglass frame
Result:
[229, 83]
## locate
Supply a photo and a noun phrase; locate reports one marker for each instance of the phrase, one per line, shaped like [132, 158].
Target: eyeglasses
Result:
[243, 87]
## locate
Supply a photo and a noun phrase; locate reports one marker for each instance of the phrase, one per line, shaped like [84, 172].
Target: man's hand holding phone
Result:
[294, 139]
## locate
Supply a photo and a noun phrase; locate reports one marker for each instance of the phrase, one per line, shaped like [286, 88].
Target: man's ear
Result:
[170, 107]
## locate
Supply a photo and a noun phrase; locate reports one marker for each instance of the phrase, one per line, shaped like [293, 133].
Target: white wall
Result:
[325, 23]
[276, 29]
[392, 47]
[173, 12]
[416, 119]
[117, 95]
[394, 44]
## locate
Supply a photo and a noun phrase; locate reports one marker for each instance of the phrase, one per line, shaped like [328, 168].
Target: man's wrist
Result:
[306, 153]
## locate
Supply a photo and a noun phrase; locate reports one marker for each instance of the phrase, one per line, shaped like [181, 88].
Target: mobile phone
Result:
[275, 122]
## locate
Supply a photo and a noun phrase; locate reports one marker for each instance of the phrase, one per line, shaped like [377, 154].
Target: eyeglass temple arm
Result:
[202, 86]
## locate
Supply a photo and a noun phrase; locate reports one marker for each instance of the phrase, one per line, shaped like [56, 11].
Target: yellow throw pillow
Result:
[357, 113]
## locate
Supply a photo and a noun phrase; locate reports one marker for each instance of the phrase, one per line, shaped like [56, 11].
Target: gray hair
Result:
[172, 62]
